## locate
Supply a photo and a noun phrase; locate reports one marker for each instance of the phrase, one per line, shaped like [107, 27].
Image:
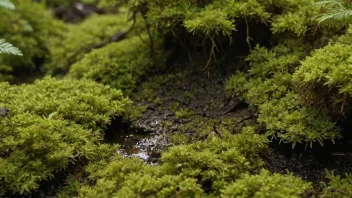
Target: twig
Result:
[243, 119]
[248, 37]
[212, 54]
[343, 103]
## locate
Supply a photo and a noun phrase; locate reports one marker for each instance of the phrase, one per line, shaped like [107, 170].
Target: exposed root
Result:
[212, 56]
[343, 103]
[248, 38]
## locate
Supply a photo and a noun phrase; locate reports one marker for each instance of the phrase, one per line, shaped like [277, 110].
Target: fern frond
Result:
[7, 4]
[336, 15]
[8, 48]
[330, 2]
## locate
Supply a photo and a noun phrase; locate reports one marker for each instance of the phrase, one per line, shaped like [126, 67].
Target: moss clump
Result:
[338, 186]
[269, 86]
[120, 64]
[33, 30]
[52, 124]
[324, 78]
[266, 185]
[184, 113]
[82, 38]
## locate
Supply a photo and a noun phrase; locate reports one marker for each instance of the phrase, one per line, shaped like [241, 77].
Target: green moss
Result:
[338, 186]
[184, 171]
[152, 87]
[324, 79]
[288, 120]
[120, 65]
[52, 124]
[268, 85]
[174, 106]
[266, 185]
[33, 30]
[198, 128]
[82, 38]
[184, 113]
[178, 139]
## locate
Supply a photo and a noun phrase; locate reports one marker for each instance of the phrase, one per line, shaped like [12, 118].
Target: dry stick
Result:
[243, 119]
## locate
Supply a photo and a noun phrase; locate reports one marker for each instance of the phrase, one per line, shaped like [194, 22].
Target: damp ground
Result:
[182, 104]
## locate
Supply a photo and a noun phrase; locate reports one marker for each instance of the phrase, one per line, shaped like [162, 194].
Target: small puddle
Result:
[133, 142]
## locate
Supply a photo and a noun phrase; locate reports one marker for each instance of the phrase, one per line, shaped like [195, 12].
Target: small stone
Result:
[154, 123]
[4, 111]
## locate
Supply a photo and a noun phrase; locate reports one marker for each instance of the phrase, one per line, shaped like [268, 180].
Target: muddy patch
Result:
[182, 105]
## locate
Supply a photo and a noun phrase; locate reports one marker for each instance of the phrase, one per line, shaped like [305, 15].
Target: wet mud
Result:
[183, 101]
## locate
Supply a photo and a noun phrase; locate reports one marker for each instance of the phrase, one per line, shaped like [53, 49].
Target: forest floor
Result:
[183, 105]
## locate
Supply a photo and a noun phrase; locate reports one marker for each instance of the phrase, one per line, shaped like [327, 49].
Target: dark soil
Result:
[310, 164]
[192, 91]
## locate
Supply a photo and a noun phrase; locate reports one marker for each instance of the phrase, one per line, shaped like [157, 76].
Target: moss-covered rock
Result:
[50, 125]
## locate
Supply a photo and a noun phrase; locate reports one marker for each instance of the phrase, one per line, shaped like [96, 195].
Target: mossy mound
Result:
[50, 125]
[324, 78]
[269, 86]
[338, 186]
[32, 29]
[93, 32]
[266, 185]
[120, 65]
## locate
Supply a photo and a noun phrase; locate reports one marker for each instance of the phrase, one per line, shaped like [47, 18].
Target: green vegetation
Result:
[80, 39]
[266, 185]
[186, 169]
[269, 87]
[184, 113]
[32, 29]
[292, 66]
[51, 125]
[323, 84]
[338, 187]
[120, 64]
[8, 48]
